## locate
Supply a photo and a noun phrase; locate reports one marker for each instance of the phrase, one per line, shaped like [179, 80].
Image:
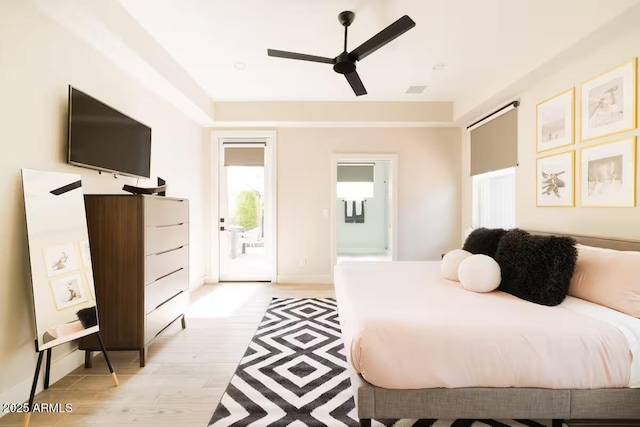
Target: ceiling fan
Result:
[345, 63]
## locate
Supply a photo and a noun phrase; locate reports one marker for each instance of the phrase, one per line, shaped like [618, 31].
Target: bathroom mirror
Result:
[61, 276]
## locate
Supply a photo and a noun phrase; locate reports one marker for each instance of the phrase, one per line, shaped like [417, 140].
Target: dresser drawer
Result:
[158, 211]
[162, 239]
[159, 265]
[159, 318]
[161, 290]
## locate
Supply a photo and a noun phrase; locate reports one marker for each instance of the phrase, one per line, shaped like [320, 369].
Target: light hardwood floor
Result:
[187, 370]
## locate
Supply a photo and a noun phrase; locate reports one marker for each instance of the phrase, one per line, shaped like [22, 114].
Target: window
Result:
[494, 199]
[355, 180]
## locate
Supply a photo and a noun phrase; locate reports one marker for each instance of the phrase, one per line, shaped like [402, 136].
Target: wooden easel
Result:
[47, 373]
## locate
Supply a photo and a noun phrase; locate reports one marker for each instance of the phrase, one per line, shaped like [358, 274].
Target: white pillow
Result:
[450, 263]
[479, 273]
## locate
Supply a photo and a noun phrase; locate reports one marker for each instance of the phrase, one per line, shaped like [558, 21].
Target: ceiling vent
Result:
[415, 89]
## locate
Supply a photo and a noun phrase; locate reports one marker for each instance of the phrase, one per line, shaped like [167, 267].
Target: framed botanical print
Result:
[555, 180]
[608, 103]
[608, 174]
[554, 121]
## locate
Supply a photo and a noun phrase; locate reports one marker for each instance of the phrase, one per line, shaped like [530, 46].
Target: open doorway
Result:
[365, 211]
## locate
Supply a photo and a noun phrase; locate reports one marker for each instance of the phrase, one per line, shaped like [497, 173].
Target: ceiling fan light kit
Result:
[345, 63]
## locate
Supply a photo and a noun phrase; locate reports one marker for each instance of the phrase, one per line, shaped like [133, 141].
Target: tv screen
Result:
[104, 139]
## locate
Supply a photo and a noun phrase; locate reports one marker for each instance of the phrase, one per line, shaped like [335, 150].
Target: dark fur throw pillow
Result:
[484, 241]
[88, 317]
[536, 268]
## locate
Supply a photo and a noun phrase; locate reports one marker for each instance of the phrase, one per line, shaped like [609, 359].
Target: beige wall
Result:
[38, 60]
[428, 191]
[466, 195]
[605, 222]
[339, 111]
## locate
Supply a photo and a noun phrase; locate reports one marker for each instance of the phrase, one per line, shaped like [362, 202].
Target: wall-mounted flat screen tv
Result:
[105, 139]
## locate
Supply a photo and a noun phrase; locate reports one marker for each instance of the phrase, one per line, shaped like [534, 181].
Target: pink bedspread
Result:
[405, 327]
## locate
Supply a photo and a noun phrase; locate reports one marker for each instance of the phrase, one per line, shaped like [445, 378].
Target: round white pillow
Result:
[479, 273]
[451, 262]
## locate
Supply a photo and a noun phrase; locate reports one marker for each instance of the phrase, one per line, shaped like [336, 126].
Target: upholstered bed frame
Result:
[501, 403]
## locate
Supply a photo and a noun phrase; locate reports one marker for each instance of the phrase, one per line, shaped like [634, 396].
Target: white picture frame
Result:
[68, 291]
[608, 174]
[85, 252]
[608, 102]
[90, 283]
[555, 180]
[555, 121]
[60, 259]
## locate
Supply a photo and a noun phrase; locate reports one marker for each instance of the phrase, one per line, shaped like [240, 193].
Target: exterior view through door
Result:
[245, 235]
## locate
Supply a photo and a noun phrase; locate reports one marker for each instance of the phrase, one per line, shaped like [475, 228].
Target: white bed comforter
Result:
[405, 327]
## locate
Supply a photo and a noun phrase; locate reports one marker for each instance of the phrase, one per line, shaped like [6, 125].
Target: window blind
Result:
[494, 144]
[355, 172]
[243, 156]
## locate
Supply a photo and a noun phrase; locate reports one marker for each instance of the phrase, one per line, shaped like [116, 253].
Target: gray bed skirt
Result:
[494, 403]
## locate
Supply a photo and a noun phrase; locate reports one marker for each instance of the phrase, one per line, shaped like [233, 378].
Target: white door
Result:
[246, 243]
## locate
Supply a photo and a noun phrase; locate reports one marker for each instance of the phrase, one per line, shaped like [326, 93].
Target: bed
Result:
[574, 361]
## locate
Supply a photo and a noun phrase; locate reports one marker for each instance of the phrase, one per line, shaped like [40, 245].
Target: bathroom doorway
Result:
[365, 207]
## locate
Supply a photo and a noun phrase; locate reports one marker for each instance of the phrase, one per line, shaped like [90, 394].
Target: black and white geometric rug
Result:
[294, 374]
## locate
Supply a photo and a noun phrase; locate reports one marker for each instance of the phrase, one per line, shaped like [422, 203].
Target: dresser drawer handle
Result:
[169, 250]
[168, 274]
[170, 225]
[166, 301]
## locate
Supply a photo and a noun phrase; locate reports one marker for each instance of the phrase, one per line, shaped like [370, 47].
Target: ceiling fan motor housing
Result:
[346, 18]
[344, 64]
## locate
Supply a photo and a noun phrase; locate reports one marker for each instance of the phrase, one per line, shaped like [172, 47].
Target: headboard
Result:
[600, 242]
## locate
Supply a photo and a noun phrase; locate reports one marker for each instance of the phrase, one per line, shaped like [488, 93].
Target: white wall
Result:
[38, 59]
[370, 236]
[428, 192]
[603, 222]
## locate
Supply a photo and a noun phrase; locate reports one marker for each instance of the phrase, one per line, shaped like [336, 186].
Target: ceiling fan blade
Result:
[301, 56]
[356, 83]
[390, 33]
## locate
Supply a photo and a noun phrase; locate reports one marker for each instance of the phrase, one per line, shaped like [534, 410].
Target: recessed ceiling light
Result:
[440, 66]
[239, 65]
[415, 89]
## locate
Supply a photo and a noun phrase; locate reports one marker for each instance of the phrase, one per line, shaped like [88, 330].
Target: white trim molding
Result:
[318, 124]
[381, 251]
[304, 279]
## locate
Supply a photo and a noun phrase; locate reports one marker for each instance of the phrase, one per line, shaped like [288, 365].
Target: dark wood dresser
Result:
[140, 257]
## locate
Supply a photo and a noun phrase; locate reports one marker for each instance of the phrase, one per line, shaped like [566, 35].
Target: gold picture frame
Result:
[555, 118]
[555, 180]
[608, 103]
[68, 291]
[608, 174]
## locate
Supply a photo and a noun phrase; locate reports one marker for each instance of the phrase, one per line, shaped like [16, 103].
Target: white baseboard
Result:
[207, 280]
[202, 281]
[320, 279]
[361, 251]
[59, 368]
